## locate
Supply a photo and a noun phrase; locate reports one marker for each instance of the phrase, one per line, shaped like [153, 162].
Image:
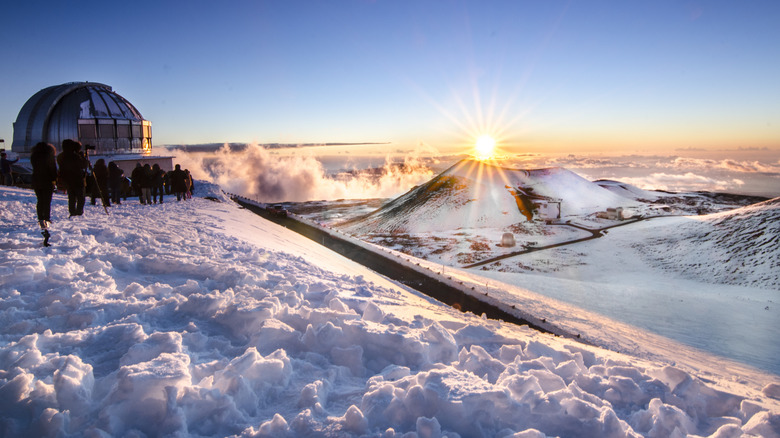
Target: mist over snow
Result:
[198, 318]
[261, 174]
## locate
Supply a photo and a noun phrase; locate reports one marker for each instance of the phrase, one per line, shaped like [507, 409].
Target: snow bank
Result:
[739, 247]
[162, 320]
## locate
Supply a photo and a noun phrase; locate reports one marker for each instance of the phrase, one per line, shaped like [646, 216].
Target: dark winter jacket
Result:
[178, 180]
[146, 177]
[44, 164]
[101, 175]
[137, 176]
[73, 167]
[101, 172]
[115, 175]
[157, 176]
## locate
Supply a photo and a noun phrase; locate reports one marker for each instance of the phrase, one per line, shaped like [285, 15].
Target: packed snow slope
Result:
[197, 318]
[480, 194]
[739, 247]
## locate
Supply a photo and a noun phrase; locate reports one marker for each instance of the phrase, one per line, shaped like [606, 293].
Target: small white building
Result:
[613, 214]
[508, 240]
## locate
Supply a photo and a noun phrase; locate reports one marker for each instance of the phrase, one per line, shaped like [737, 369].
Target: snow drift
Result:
[741, 247]
[198, 318]
[477, 194]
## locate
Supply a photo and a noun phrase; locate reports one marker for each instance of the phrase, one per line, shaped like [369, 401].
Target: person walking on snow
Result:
[73, 167]
[44, 179]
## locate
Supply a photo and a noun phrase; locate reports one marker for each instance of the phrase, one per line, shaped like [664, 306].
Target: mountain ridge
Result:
[476, 194]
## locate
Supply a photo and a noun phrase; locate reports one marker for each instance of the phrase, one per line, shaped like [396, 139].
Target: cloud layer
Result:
[258, 173]
[677, 174]
[268, 176]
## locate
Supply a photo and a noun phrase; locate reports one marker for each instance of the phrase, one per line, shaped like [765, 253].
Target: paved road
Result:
[390, 268]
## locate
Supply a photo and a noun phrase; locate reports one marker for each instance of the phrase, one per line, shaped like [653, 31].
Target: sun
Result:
[484, 147]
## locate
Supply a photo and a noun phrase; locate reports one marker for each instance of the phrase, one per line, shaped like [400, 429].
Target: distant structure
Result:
[548, 209]
[530, 203]
[93, 114]
[612, 213]
[508, 240]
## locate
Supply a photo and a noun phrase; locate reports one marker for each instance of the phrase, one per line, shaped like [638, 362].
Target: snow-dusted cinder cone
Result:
[476, 194]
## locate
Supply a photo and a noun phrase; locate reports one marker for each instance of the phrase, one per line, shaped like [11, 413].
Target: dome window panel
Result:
[106, 129]
[87, 129]
[112, 105]
[147, 130]
[122, 129]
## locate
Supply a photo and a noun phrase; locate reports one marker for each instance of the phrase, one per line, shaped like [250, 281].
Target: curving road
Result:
[595, 234]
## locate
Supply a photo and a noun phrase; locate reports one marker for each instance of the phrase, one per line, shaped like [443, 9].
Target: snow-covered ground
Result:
[720, 293]
[708, 277]
[459, 216]
[198, 318]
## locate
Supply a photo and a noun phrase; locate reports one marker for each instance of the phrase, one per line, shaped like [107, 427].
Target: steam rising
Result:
[256, 173]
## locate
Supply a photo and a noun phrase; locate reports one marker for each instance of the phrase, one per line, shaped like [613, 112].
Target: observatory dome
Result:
[89, 112]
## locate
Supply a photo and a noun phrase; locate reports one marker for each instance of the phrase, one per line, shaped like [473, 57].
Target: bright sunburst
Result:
[485, 147]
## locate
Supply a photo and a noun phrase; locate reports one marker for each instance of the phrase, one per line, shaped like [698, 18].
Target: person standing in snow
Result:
[100, 189]
[189, 183]
[146, 184]
[5, 169]
[44, 179]
[142, 183]
[115, 177]
[167, 182]
[73, 167]
[137, 176]
[157, 183]
[178, 182]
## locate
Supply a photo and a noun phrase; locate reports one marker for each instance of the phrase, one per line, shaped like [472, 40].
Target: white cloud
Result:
[260, 174]
[726, 164]
[682, 182]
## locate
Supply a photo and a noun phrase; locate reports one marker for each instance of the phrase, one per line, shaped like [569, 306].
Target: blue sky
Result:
[542, 76]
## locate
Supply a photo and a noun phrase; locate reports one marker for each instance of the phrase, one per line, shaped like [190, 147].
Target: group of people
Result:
[106, 183]
[151, 182]
[70, 170]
